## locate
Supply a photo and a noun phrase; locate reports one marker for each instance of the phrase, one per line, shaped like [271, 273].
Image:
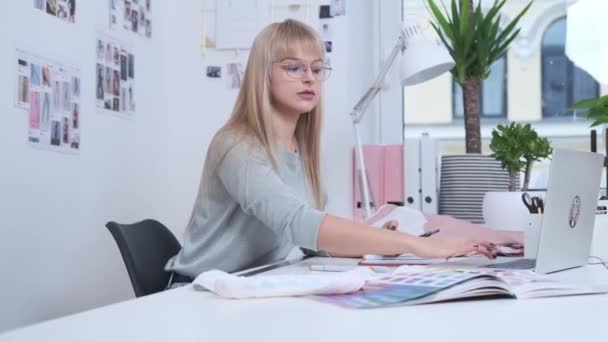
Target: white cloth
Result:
[231, 286]
[411, 221]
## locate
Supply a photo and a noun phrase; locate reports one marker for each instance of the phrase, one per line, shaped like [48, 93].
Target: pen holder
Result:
[532, 235]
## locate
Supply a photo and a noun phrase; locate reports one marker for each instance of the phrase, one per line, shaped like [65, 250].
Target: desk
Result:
[184, 315]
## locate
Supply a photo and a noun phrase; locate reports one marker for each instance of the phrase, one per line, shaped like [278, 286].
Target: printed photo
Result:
[71, 11]
[133, 16]
[35, 110]
[116, 83]
[123, 99]
[51, 7]
[127, 12]
[108, 53]
[46, 110]
[100, 51]
[131, 99]
[116, 56]
[75, 141]
[116, 105]
[62, 11]
[131, 65]
[65, 91]
[56, 105]
[134, 21]
[235, 71]
[148, 28]
[24, 89]
[75, 116]
[109, 73]
[324, 12]
[123, 67]
[75, 87]
[46, 76]
[100, 82]
[35, 75]
[214, 71]
[338, 7]
[65, 131]
[55, 133]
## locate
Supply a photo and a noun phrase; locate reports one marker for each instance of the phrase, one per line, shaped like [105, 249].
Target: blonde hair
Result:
[251, 116]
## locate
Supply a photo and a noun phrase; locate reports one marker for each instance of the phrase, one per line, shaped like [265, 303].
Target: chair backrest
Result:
[145, 246]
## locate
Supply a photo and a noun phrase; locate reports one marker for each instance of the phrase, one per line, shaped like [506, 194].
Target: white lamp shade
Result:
[424, 58]
[586, 37]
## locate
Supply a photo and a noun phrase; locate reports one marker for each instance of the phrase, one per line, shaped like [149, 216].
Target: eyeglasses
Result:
[297, 70]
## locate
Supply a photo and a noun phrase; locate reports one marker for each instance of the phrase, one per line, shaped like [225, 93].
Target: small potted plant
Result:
[517, 147]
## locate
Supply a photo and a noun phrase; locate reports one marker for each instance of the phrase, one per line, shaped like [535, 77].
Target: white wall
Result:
[56, 256]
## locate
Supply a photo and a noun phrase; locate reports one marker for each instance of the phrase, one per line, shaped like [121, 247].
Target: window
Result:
[563, 84]
[493, 93]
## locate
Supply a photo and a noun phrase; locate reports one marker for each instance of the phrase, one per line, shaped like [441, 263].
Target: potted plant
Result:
[517, 147]
[475, 38]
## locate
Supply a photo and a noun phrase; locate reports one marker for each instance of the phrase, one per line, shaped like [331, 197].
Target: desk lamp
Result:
[422, 59]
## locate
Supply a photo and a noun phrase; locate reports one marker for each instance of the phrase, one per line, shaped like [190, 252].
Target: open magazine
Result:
[409, 285]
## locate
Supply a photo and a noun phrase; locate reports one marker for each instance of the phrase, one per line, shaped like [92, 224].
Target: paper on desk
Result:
[231, 286]
[410, 220]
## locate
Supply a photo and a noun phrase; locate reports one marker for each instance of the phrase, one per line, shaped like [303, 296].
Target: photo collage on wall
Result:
[131, 15]
[50, 92]
[62, 9]
[115, 75]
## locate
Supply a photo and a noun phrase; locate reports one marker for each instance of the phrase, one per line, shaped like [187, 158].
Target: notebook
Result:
[410, 285]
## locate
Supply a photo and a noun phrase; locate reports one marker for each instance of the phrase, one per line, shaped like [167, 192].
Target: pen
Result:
[427, 234]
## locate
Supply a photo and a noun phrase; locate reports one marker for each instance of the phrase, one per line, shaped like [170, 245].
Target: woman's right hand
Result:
[445, 248]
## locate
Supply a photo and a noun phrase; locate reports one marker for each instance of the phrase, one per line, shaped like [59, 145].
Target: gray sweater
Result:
[246, 214]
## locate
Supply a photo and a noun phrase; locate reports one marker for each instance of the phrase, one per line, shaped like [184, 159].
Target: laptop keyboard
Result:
[521, 264]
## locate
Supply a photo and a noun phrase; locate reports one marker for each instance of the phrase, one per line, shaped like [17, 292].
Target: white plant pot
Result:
[506, 210]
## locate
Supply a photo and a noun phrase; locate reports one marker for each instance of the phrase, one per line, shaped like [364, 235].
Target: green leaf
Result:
[587, 103]
[441, 20]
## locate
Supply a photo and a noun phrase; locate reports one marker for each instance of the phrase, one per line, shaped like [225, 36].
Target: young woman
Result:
[261, 193]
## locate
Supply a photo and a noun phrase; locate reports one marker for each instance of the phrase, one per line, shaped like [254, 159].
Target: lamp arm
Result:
[357, 115]
[361, 106]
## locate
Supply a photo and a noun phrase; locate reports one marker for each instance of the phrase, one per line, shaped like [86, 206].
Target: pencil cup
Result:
[532, 235]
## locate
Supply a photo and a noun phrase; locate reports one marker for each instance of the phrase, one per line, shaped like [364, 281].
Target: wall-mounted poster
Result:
[115, 76]
[131, 15]
[62, 9]
[50, 92]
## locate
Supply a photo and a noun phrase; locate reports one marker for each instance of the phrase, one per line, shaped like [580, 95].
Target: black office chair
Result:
[146, 246]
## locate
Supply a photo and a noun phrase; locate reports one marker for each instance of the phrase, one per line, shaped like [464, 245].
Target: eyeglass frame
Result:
[326, 67]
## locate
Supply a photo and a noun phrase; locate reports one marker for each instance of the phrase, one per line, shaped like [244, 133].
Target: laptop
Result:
[569, 216]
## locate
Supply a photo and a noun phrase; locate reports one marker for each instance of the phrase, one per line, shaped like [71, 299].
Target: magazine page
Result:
[420, 284]
[527, 284]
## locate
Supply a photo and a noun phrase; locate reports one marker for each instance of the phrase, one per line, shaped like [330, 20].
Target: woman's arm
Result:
[342, 237]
